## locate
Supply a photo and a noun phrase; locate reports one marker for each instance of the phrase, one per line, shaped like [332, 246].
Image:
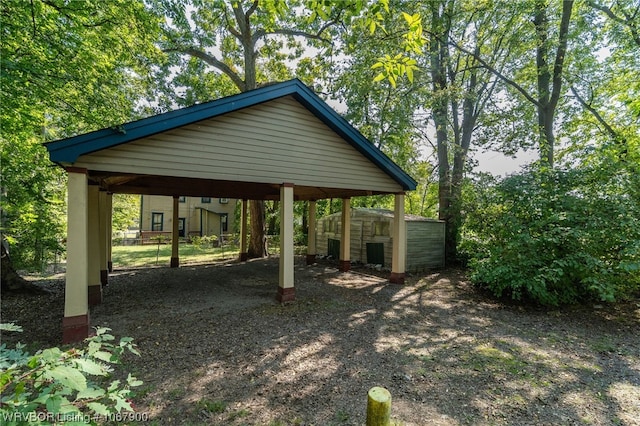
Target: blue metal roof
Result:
[68, 150]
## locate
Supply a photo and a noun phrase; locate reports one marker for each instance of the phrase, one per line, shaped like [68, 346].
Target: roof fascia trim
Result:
[68, 150]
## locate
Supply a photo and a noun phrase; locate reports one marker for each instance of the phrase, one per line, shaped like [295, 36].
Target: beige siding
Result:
[425, 239]
[280, 141]
[425, 245]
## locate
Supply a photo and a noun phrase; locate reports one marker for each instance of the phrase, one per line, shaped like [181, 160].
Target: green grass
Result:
[212, 406]
[152, 254]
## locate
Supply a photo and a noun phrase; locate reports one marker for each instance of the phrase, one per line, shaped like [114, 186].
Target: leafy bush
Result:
[56, 386]
[557, 236]
[204, 241]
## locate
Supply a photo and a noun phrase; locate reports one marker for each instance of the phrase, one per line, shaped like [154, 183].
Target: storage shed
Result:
[371, 240]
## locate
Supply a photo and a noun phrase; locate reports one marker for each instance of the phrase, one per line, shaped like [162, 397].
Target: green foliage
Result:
[64, 386]
[125, 212]
[558, 236]
[212, 406]
[66, 68]
[204, 241]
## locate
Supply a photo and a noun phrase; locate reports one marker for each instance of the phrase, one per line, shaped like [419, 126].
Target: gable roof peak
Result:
[68, 150]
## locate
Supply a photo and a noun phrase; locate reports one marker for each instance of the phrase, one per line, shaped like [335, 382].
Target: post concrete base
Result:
[397, 278]
[104, 277]
[175, 262]
[75, 329]
[94, 293]
[345, 265]
[286, 294]
[244, 257]
[311, 259]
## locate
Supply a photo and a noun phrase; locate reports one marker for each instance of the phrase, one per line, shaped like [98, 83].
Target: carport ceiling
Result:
[242, 146]
[190, 187]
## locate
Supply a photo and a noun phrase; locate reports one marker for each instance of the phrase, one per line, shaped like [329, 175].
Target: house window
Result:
[205, 199]
[182, 199]
[224, 200]
[157, 220]
[224, 222]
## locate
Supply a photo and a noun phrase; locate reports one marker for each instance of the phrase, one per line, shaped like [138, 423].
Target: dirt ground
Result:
[218, 349]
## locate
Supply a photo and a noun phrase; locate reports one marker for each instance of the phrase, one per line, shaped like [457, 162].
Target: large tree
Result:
[219, 47]
[66, 68]
[450, 89]
[538, 68]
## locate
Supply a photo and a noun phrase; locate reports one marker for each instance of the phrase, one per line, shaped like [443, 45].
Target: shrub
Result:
[557, 236]
[205, 241]
[58, 386]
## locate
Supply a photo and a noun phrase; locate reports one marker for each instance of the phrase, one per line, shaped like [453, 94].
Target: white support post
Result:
[95, 251]
[109, 231]
[175, 260]
[398, 263]
[243, 231]
[286, 290]
[311, 235]
[75, 324]
[345, 236]
[104, 253]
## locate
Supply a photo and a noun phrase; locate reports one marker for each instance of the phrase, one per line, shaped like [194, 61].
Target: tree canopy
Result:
[67, 68]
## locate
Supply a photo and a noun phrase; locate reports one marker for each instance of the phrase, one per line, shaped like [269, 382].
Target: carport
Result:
[279, 142]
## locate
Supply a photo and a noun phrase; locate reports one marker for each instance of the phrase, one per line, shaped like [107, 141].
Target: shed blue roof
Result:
[68, 150]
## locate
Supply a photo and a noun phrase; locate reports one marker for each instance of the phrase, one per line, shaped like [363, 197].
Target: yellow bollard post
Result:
[378, 407]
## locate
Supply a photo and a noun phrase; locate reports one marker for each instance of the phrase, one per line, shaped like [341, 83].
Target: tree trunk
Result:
[257, 241]
[438, 52]
[549, 78]
[11, 281]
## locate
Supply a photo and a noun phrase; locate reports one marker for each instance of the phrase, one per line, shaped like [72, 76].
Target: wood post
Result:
[243, 231]
[104, 252]
[311, 234]
[378, 407]
[95, 252]
[109, 231]
[75, 325]
[399, 251]
[175, 260]
[286, 290]
[345, 236]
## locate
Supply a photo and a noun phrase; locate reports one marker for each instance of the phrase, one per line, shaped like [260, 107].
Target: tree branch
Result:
[213, 61]
[33, 20]
[563, 37]
[252, 9]
[595, 113]
[628, 22]
[283, 31]
[497, 73]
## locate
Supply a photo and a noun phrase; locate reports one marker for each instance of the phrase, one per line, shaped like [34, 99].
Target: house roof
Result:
[67, 151]
[387, 214]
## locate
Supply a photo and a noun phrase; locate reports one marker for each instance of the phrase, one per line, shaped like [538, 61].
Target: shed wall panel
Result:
[425, 240]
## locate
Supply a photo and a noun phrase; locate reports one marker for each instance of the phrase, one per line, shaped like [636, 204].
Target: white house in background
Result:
[197, 216]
